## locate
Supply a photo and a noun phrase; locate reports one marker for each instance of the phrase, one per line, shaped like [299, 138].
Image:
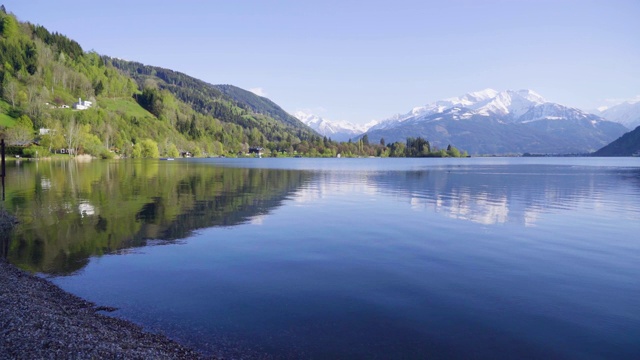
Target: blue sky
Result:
[362, 60]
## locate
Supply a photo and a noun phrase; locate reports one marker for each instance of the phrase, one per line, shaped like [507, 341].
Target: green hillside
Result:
[136, 110]
[259, 104]
[226, 102]
[5, 119]
[128, 109]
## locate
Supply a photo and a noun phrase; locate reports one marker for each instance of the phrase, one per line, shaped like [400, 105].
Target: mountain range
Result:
[498, 122]
[145, 111]
[335, 130]
[626, 113]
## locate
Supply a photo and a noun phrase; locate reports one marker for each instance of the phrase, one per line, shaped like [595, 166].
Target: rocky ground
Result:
[38, 320]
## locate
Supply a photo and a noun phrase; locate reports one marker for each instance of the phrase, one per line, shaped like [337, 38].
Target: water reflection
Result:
[71, 211]
[410, 261]
[488, 195]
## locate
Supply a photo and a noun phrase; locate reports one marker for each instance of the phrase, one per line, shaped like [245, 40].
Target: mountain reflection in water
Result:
[71, 211]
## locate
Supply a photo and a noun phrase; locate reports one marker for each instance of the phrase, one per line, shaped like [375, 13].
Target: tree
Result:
[53, 140]
[8, 26]
[453, 152]
[72, 136]
[98, 88]
[22, 132]
[151, 100]
[90, 143]
[25, 121]
[398, 149]
[382, 141]
[172, 151]
[19, 135]
[365, 140]
[149, 149]
[10, 90]
[36, 106]
[194, 131]
[136, 152]
[417, 147]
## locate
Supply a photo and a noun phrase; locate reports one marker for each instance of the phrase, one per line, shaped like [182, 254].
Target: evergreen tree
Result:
[365, 140]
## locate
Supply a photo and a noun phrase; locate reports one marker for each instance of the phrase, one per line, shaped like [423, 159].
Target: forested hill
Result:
[218, 101]
[56, 97]
[258, 104]
[626, 145]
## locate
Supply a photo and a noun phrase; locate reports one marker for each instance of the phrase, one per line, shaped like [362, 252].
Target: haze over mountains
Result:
[496, 122]
[626, 113]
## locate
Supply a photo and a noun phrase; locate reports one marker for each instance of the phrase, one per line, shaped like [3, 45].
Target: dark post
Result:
[3, 165]
[2, 154]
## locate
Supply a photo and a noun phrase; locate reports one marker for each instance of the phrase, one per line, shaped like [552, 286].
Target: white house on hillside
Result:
[82, 105]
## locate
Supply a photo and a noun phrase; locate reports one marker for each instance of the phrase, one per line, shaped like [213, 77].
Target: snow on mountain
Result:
[497, 122]
[336, 130]
[551, 111]
[627, 114]
[509, 105]
[512, 103]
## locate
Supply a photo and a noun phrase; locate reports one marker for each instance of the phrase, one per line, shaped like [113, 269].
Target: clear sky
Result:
[363, 60]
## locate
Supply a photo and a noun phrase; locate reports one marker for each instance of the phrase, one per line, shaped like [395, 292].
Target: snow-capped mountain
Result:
[336, 130]
[627, 114]
[498, 122]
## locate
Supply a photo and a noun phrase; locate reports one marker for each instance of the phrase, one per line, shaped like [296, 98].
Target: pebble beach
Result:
[38, 320]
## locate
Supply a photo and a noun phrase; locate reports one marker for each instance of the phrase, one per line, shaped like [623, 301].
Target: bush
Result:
[147, 148]
[35, 152]
[106, 154]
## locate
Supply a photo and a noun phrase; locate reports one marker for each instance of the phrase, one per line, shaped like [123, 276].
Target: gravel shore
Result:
[38, 320]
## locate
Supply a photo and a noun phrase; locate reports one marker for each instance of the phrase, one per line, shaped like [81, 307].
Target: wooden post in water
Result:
[3, 165]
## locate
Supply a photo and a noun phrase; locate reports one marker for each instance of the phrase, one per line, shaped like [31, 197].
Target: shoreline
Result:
[40, 320]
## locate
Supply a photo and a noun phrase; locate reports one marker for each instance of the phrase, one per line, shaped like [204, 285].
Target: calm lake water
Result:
[347, 258]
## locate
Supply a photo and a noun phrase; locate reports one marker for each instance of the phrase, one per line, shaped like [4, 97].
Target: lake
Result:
[347, 258]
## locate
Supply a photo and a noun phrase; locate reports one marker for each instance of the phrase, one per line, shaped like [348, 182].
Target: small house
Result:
[82, 105]
[257, 151]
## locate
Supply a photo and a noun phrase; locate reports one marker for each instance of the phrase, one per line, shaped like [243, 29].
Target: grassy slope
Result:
[125, 105]
[122, 105]
[5, 120]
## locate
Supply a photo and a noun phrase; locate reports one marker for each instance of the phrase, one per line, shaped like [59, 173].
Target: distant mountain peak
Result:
[510, 102]
[508, 121]
[336, 130]
[487, 102]
[477, 96]
[626, 113]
